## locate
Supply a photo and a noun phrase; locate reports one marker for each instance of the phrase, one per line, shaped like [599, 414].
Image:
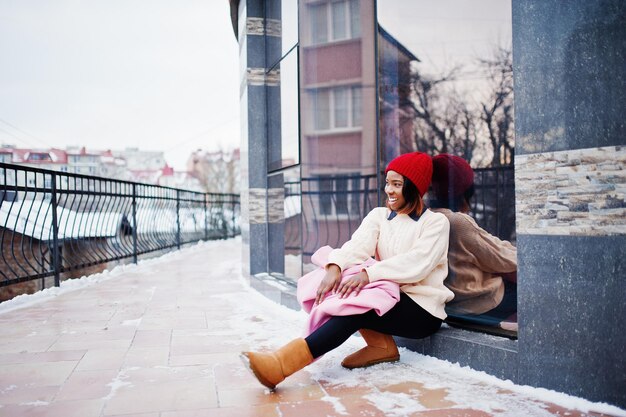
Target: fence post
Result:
[55, 233]
[206, 226]
[178, 218]
[498, 228]
[234, 201]
[134, 229]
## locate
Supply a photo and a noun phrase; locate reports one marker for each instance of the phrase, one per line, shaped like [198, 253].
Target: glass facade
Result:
[446, 86]
[362, 82]
[337, 120]
[398, 76]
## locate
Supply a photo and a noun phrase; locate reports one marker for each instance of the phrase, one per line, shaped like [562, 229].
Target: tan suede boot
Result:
[273, 367]
[380, 348]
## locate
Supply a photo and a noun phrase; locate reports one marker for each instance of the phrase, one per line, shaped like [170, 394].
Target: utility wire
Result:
[24, 133]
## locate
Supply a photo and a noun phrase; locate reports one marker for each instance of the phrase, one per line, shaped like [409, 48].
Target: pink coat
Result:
[379, 295]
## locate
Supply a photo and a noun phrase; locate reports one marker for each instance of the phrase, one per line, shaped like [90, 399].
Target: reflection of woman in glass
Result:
[482, 267]
[410, 245]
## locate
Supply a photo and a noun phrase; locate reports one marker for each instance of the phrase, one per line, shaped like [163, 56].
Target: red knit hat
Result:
[452, 176]
[416, 166]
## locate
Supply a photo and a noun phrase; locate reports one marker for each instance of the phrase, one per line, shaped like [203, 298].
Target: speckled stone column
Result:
[570, 180]
[254, 77]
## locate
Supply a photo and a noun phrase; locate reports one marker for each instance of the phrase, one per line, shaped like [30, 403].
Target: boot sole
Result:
[374, 362]
[246, 361]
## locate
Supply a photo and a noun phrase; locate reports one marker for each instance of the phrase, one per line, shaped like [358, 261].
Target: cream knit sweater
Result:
[411, 253]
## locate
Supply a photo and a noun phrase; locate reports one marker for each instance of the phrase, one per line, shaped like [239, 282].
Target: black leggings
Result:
[405, 319]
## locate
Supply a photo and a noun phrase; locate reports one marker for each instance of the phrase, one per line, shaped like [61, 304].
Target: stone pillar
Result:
[251, 35]
[570, 179]
[259, 34]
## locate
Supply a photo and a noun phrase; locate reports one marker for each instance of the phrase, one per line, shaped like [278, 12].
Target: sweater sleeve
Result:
[425, 255]
[490, 254]
[362, 244]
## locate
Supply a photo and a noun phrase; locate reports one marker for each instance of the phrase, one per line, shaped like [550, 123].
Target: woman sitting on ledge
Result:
[410, 244]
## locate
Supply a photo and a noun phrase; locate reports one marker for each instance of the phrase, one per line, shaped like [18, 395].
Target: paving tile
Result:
[96, 359]
[205, 359]
[138, 415]
[24, 343]
[259, 395]
[87, 408]
[234, 376]
[147, 357]
[90, 343]
[38, 357]
[340, 390]
[146, 397]
[323, 408]
[36, 374]
[14, 394]
[85, 385]
[152, 338]
[269, 410]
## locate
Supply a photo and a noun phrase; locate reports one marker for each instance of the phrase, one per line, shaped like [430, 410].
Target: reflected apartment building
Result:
[341, 156]
[324, 99]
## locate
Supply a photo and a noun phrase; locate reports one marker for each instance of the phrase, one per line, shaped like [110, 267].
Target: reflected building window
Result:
[334, 21]
[337, 108]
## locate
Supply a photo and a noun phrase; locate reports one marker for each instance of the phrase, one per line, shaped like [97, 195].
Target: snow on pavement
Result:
[257, 321]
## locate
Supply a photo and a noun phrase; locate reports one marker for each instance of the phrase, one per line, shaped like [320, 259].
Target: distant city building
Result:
[130, 164]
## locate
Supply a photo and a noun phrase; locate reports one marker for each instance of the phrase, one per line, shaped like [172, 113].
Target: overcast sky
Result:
[164, 75]
[158, 74]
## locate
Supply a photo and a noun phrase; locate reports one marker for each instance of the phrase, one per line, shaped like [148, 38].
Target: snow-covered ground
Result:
[255, 321]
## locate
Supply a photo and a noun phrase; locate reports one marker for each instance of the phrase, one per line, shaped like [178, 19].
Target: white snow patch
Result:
[9, 388]
[36, 403]
[339, 408]
[117, 383]
[135, 322]
[394, 403]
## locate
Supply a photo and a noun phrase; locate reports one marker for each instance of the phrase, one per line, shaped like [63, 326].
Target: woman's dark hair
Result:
[412, 199]
[452, 203]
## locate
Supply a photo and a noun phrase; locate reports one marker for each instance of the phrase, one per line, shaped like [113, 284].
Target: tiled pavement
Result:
[162, 340]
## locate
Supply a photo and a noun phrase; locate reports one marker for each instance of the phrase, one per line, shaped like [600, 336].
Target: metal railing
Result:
[493, 204]
[55, 224]
[327, 210]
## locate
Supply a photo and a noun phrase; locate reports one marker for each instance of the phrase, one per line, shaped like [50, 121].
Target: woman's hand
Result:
[330, 282]
[353, 284]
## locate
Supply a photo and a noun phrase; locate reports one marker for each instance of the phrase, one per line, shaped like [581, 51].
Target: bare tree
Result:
[497, 109]
[443, 121]
[217, 171]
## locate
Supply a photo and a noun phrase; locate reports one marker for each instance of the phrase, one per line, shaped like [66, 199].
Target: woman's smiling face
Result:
[393, 189]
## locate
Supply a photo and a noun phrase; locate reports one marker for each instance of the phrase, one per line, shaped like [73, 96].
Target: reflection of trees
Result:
[497, 110]
[448, 122]
[480, 131]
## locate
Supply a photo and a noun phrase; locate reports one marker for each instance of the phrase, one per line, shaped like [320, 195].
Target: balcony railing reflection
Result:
[326, 210]
[59, 225]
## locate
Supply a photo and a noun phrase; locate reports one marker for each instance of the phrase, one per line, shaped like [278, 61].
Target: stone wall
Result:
[22, 256]
[573, 192]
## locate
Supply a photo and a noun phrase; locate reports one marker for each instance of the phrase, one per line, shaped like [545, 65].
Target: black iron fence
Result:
[493, 204]
[54, 223]
[326, 210]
